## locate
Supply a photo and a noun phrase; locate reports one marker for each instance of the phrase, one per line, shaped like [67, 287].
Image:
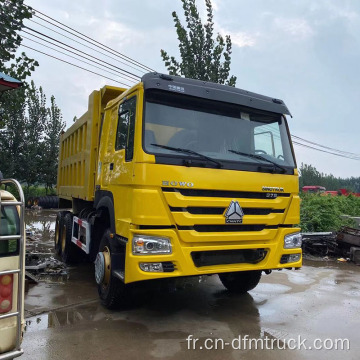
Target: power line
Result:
[93, 72]
[78, 42]
[332, 151]
[72, 52]
[95, 41]
[128, 73]
[325, 147]
[324, 151]
[73, 57]
[294, 142]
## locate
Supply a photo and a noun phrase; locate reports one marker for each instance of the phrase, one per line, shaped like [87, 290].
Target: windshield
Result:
[222, 131]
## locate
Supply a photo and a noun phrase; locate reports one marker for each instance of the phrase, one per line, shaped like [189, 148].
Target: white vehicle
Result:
[12, 259]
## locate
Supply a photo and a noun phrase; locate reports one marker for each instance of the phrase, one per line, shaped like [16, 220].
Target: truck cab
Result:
[187, 178]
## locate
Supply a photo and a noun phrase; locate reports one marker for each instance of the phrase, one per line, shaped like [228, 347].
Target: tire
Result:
[43, 202]
[112, 291]
[240, 282]
[54, 202]
[70, 253]
[46, 202]
[58, 227]
[94, 245]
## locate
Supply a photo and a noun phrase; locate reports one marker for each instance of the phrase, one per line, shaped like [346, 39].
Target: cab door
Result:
[118, 143]
[121, 166]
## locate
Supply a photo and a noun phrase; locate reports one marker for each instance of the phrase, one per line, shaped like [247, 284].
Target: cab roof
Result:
[213, 91]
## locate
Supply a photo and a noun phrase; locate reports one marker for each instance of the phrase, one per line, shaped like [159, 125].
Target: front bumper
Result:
[184, 264]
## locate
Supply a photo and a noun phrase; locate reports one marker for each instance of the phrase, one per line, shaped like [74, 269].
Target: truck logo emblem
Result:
[234, 213]
[177, 183]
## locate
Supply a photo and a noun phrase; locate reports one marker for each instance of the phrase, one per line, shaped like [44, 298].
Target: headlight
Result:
[143, 245]
[292, 241]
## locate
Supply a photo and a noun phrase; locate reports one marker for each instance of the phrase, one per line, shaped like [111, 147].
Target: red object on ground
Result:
[347, 193]
[332, 193]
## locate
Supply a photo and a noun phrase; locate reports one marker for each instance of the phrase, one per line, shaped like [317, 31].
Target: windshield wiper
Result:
[258, 157]
[187, 151]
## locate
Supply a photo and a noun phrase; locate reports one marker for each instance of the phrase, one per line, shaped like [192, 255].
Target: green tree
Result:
[12, 15]
[11, 136]
[29, 131]
[29, 142]
[31, 158]
[202, 57]
[310, 176]
[54, 126]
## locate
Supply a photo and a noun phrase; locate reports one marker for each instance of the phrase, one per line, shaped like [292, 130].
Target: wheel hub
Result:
[57, 240]
[103, 267]
[99, 268]
[63, 239]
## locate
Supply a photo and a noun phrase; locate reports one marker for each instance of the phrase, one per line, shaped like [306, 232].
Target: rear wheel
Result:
[240, 282]
[58, 227]
[70, 253]
[112, 291]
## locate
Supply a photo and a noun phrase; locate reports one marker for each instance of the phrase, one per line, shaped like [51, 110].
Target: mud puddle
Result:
[40, 228]
[41, 260]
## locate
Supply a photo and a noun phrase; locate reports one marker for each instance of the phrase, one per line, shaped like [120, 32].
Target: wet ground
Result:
[66, 321]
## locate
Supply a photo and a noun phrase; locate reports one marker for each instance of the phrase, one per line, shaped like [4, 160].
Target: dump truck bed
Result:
[79, 148]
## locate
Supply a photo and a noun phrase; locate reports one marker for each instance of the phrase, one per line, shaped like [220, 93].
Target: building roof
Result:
[8, 83]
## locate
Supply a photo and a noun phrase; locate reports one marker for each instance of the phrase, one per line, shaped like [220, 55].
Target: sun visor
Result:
[213, 91]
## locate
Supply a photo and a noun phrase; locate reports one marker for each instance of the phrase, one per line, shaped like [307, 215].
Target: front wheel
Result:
[112, 291]
[240, 282]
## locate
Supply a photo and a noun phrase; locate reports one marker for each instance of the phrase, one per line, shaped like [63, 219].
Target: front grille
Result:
[227, 228]
[156, 227]
[225, 257]
[227, 194]
[199, 210]
[221, 210]
[198, 213]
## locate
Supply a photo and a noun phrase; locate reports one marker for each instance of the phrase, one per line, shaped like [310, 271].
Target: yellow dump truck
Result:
[178, 177]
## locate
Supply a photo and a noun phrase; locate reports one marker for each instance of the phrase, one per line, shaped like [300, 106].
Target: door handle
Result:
[111, 166]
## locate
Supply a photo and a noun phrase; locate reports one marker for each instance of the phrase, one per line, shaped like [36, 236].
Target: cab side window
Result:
[126, 128]
[267, 140]
[9, 225]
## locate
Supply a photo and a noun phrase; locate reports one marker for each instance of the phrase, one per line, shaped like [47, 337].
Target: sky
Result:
[306, 53]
